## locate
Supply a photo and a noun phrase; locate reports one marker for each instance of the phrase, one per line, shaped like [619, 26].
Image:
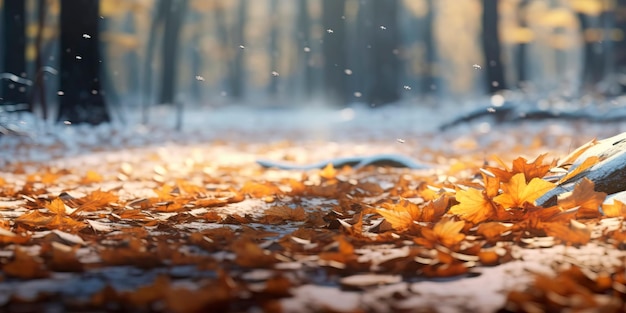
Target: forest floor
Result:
[148, 219]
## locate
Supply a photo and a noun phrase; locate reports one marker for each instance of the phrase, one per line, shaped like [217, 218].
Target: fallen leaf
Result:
[585, 198]
[516, 191]
[474, 206]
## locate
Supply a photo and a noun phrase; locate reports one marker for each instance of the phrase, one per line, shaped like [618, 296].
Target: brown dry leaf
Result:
[260, 190]
[57, 207]
[571, 158]
[287, 213]
[585, 198]
[399, 220]
[448, 232]
[61, 258]
[516, 191]
[186, 188]
[434, 210]
[329, 172]
[492, 231]
[534, 169]
[24, 266]
[445, 270]
[34, 218]
[164, 193]
[589, 162]
[249, 254]
[144, 296]
[615, 209]
[474, 206]
[492, 185]
[95, 200]
[573, 233]
[91, 177]
[402, 214]
[133, 252]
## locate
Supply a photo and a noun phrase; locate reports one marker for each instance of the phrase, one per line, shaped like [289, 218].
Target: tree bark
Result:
[384, 62]
[82, 100]
[491, 47]
[14, 42]
[173, 23]
[334, 51]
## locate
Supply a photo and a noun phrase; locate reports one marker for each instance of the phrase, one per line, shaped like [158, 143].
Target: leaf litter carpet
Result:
[201, 227]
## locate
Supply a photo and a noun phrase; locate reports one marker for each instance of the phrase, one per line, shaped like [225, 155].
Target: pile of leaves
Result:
[234, 238]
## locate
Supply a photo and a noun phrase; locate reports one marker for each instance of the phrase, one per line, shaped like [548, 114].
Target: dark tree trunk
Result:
[155, 27]
[304, 40]
[82, 100]
[360, 56]
[491, 47]
[384, 61]
[14, 42]
[237, 66]
[620, 46]
[274, 52]
[39, 88]
[334, 51]
[429, 80]
[171, 35]
[592, 54]
[522, 47]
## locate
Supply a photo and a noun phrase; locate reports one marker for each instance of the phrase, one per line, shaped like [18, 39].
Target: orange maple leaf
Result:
[589, 162]
[474, 206]
[615, 209]
[260, 190]
[286, 213]
[402, 214]
[534, 169]
[399, 220]
[575, 233]
[586, 198]
[57, 207]
[448, 232]
[516, 191]
[329, 172]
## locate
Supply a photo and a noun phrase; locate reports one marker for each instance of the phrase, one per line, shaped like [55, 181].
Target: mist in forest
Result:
[85, 57]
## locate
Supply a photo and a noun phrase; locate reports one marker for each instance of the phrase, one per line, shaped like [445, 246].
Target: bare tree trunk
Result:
[14, 42]
[273, 48]
[429, 81]
[171, 35]
[384, 61]
[156, 25]
[237, 66]
[304, 48]
[334, 50]
[522, 47]
[491, 47]
[82, 100]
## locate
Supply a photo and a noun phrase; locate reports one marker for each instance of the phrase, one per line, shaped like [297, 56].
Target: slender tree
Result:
[429, 80]
[491, 47]
[237, 66]
[81, 100]
[384, 61]
[522, 47]
[155, 27]
[171, 35]
[304, 47]
[14, 42]
[334, 51]
[273, 47]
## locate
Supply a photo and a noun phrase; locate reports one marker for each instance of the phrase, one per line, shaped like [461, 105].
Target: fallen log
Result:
[608, 174]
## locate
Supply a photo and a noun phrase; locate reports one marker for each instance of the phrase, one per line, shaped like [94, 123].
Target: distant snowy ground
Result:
[400, 128]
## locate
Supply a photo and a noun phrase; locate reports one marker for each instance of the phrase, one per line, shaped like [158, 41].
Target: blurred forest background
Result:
[83, 60]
